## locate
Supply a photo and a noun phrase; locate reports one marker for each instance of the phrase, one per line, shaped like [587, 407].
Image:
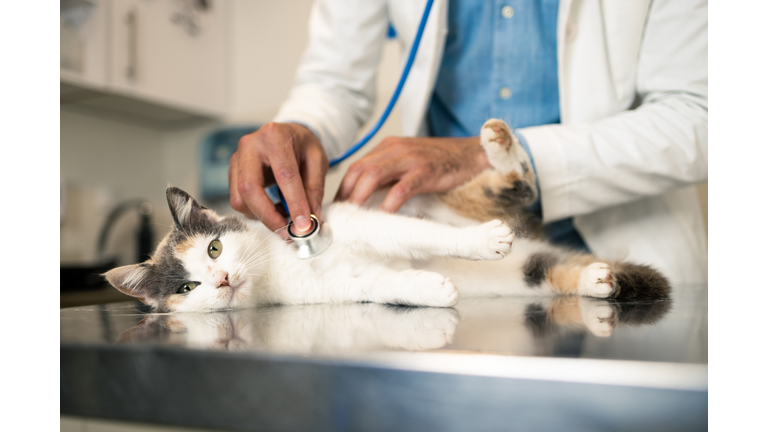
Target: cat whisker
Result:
[264, 253]
[262, 262]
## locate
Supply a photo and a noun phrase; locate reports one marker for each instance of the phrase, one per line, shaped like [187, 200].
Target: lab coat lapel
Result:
[418, 88]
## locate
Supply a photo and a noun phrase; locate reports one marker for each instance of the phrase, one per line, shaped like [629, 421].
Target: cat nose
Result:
[222, 280]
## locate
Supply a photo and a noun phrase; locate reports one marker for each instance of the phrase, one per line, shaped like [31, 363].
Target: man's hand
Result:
[415, 165]
[289, 154]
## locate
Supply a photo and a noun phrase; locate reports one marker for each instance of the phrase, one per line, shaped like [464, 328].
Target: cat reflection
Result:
[534, 326]
[303, 328]
[600, 317]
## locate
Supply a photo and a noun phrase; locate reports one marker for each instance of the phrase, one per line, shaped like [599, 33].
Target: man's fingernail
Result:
[302, 223]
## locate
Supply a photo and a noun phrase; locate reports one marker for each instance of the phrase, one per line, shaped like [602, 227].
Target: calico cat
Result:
[437, 246]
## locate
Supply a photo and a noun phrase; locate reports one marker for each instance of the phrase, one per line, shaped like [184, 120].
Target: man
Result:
[627, 132]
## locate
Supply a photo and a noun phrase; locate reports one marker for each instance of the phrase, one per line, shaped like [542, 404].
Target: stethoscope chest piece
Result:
[313, 243]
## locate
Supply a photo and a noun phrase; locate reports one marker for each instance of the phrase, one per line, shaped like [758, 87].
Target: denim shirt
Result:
[500, 61]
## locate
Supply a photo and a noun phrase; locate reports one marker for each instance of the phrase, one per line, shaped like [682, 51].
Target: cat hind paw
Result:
[597, 280]
[437, 290]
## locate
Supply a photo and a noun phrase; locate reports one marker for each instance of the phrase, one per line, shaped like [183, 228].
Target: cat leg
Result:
[500, 193]
[504, 151]
[570, 274]
[397, 236]
[381, 284]
[413, 288]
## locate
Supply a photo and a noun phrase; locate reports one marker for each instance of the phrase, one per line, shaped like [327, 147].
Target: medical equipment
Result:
[320, 235]
[315, 242]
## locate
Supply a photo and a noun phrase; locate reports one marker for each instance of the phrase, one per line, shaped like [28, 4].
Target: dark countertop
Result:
[533, 362]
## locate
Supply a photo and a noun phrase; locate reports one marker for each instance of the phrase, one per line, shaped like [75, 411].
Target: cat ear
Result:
[132, 280]
[186, 211]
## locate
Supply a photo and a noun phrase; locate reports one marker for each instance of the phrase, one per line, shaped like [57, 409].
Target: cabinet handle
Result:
[131, 20]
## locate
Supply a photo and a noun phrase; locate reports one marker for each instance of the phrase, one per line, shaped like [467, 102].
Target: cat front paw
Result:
[598, 316]
[493, 241]
[597, 280]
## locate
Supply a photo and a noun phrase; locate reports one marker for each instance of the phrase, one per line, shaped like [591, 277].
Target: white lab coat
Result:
[633, 104]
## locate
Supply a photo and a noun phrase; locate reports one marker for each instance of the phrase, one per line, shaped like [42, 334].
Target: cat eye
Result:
[187, 287]
[214, 249]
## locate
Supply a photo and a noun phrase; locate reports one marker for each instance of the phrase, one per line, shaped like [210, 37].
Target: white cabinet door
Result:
[83, 36]
[172, 52]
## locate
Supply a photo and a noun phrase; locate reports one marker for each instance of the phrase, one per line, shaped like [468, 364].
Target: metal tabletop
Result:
[505, 363]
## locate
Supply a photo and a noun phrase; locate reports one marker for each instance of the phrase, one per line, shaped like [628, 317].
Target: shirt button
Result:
[507, 12]
[505, 93]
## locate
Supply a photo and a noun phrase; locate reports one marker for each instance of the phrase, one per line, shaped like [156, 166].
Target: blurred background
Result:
[158, 92]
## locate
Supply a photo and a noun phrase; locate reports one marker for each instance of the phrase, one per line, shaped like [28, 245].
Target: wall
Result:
[104, 162]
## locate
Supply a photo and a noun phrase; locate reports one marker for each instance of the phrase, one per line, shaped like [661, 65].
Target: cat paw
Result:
[495, 134]
[493, 241]
[597, 280]
[436, 290]
[598, 316]
[504, 151]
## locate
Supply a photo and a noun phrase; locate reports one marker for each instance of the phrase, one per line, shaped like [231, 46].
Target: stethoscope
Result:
[320, 236]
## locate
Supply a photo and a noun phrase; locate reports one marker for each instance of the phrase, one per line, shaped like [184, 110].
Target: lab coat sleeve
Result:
[334, 89]
[659, 146]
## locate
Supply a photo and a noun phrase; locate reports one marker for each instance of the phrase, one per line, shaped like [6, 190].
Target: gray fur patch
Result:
[519, 195]
[536, 267]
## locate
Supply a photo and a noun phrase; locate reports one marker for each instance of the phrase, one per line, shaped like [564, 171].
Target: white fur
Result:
[596, 280]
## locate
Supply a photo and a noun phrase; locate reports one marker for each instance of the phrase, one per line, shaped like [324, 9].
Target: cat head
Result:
[202, 264]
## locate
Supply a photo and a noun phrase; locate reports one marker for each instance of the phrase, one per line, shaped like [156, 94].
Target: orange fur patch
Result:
[472, 199]
[181, 248]
[174, 301]
[564, 278]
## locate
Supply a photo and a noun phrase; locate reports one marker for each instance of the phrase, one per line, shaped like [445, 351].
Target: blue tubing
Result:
[388, 110]
[395, 95]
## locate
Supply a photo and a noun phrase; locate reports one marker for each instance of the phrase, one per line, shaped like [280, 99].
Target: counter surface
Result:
[559, 363]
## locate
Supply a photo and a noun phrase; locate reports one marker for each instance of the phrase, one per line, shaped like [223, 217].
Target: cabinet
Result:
[171, 53]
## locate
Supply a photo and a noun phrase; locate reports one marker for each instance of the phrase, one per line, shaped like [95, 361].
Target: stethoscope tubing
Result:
[387, 111]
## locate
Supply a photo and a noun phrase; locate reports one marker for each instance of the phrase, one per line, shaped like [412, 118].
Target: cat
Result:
[436, 247]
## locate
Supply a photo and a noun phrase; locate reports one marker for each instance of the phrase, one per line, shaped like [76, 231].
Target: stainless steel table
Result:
[518, 363]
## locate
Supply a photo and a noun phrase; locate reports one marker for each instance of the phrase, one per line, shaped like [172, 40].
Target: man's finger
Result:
[314, 169]
[235, 200]
[348, 182]
[250, 187]
[286, 172]
[373, 177]
[401, 192]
